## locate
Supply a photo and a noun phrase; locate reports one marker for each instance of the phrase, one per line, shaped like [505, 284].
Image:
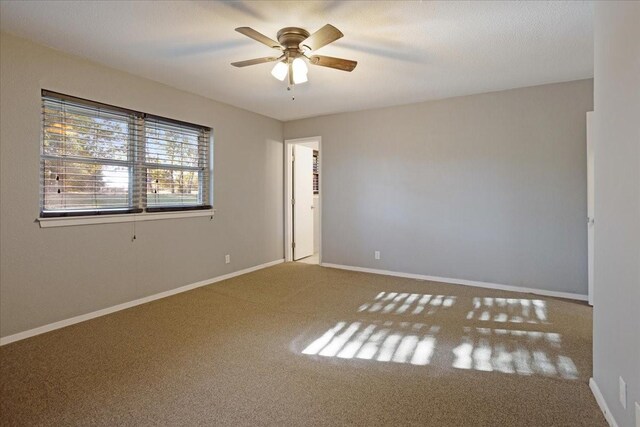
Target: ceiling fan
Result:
[296, 44]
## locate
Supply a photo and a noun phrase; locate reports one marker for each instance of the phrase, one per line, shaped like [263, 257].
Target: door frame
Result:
[288, 195]
[591, 231]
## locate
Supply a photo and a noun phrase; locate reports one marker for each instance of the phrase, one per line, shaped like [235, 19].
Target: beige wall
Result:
[488, 187]
[52, 274]
[616, 314]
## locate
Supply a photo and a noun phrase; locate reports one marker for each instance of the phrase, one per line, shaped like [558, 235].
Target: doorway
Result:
[303, 200]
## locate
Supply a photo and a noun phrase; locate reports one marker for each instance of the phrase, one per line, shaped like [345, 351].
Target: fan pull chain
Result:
[133, 238]
[292, 88]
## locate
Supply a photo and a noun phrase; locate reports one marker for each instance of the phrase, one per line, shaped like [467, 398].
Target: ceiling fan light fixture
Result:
[299, 78]
[300, 70]
[280, 71]
[299, 67]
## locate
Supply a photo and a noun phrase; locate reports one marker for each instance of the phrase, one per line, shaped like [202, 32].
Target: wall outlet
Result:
[623, 392]
[227, 259]
[376, 254]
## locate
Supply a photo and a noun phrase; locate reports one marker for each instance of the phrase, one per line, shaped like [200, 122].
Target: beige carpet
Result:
[299, 344]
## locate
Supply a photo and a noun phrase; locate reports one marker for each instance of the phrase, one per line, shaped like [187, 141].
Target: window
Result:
[99, 159]
[176, 164]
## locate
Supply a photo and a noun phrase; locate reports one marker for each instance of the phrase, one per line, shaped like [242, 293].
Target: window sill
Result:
[107, 219]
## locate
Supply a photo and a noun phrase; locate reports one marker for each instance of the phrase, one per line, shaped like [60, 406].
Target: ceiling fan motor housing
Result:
[290, 38]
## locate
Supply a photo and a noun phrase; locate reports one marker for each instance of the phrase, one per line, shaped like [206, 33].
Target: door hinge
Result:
[293, 245]
[293, 201]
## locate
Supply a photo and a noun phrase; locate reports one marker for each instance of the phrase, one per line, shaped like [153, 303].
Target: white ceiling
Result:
[407, 51]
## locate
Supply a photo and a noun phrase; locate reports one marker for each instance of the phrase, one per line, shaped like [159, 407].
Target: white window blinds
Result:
[99, 159]
[176, 164]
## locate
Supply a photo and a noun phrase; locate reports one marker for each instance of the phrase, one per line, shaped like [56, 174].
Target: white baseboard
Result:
[602, 403]
[460, 282]
[77, 319]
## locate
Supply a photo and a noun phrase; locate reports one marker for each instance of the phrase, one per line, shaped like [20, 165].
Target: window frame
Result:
[138, 208]
[204, 162]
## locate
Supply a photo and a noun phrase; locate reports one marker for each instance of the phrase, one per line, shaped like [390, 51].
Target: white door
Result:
[303, 202]
[590, 203]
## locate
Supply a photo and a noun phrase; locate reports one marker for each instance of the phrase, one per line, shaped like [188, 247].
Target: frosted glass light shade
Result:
[300, 71]
[280, 71]
[299, 78]
[299, 66]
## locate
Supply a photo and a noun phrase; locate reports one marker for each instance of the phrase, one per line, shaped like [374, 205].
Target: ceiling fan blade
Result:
[255, 61]
[322, 37]
[250, 32]
[331, 62]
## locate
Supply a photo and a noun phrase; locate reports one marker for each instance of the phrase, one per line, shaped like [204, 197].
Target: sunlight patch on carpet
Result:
[407, 303]
[397, 342]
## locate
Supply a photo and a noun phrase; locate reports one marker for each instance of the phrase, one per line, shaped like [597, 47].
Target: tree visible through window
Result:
[173, 164]
[102, 159]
